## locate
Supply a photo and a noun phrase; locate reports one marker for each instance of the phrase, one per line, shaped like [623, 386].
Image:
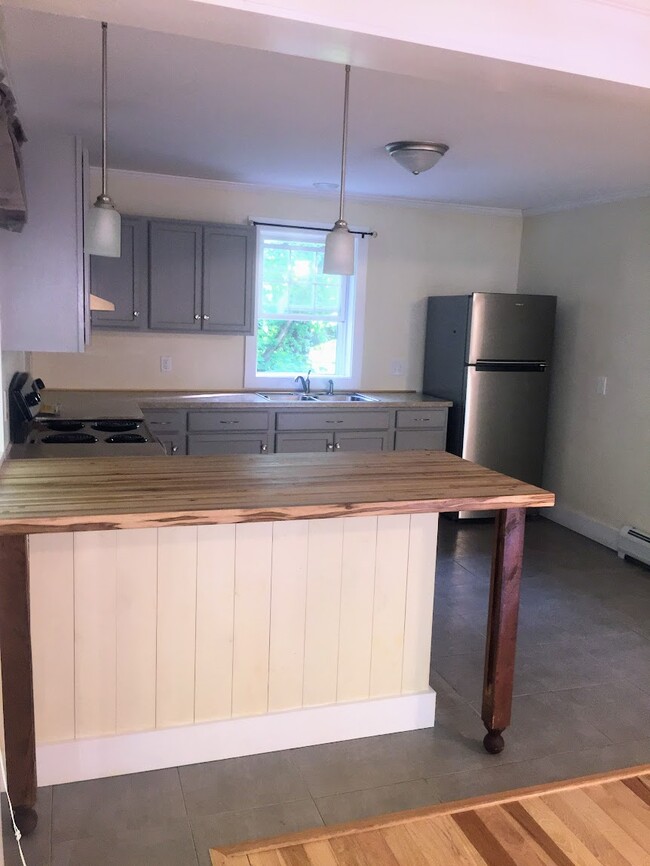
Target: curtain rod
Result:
[309, 228]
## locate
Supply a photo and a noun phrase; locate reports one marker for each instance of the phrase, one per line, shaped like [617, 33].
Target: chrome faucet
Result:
[330, 387]
[305, 382]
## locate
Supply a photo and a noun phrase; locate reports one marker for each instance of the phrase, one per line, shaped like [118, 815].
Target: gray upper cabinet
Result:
[175, 275]
[123, 281]
[228, 266]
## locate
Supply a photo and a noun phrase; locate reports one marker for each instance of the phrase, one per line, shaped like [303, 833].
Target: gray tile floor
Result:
[582, 704]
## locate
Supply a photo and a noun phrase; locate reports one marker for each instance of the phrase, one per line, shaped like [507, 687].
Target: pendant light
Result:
[339, 246]
[103, 223]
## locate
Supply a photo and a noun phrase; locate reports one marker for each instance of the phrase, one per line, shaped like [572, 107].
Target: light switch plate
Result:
[165, 363]
[397, 368]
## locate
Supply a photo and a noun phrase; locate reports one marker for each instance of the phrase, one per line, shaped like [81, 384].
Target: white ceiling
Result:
[519, 136]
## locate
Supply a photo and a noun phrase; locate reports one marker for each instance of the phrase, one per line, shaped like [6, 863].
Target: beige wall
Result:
[419, 251]
[597, 260]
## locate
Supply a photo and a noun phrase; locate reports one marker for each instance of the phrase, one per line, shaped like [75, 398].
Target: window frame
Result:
[353, 325]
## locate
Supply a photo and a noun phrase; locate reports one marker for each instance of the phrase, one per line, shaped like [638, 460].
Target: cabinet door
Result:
[420, 440]
[303, 443]
[123, 281]
[174, 444]
[361, 441]
[175, 275]
[228, 265]
[243, 443]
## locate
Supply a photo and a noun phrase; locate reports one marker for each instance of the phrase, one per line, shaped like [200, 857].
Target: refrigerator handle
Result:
[511, 366]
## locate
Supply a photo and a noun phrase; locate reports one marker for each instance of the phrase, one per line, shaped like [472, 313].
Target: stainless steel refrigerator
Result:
[490, 354]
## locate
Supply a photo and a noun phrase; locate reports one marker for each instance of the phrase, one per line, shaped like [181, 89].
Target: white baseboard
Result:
[76, 760]
[587, 526]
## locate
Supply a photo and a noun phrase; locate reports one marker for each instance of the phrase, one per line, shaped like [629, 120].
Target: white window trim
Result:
[261, 381]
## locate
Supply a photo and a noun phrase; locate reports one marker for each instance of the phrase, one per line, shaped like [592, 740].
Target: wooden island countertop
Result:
[80, 495]
[60, 495]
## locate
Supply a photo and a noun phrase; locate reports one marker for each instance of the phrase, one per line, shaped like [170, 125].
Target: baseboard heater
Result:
[634, 543]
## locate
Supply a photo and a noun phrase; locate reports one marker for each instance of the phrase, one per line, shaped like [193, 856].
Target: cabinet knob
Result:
[263, 448]
[197, 316]
[330, 447]
[205, 318]
[136, 313]
[337, 447]
[174, 449]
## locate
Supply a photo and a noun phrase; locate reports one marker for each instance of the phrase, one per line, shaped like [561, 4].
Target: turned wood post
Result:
[505, 585]
[17, 687]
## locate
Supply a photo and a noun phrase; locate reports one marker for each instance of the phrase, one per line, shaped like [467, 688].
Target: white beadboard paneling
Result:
[323, 611]
[231, 738]
[176, 638]
[252, 618]
[51, 564]
[215, 600]
[95, 565]
[137, 590]
[288, 600]
[423, 541]
[357, 594]
[391, 563]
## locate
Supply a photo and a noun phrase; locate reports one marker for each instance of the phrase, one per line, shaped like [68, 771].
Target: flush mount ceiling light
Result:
[339, 246]
[416, 156]
[104, 224]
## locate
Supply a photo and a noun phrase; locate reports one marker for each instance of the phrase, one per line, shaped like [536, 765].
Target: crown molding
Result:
[585, 202]
[236, 186]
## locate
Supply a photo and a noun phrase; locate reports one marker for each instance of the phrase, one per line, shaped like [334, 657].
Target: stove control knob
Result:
[32, 399]
[39, 383]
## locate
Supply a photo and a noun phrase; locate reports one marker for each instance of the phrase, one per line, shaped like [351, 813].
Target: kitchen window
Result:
[305, 319]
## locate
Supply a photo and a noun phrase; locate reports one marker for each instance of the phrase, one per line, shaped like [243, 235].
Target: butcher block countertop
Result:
[60, 495]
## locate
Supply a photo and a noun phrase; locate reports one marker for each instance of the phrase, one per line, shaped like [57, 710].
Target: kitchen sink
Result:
[289, 396]
[345, 398]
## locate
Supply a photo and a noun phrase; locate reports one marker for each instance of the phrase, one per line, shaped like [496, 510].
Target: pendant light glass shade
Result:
[339, 246]
[103, 229]
[339, 250]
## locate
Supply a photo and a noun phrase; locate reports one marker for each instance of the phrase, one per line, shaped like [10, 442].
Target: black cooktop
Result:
[68, 439]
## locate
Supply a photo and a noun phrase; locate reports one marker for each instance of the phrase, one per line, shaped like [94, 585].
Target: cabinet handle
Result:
[205, 318]
[160, 423]
[174, 449]
[197, 316]
[330, 447]
[337, 447]
[229, 422]
[136, 313]
[263, 448]
[422, 419]
[340, 421]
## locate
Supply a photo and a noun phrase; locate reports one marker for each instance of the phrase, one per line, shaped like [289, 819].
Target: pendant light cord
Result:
[104, 102]
[344, 146]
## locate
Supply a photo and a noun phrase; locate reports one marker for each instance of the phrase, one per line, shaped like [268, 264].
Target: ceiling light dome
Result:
[416, 156]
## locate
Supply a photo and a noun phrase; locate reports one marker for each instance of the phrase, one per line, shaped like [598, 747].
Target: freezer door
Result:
[505, 420]
[511, 327]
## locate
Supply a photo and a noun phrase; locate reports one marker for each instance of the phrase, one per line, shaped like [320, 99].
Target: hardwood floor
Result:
[602, 819]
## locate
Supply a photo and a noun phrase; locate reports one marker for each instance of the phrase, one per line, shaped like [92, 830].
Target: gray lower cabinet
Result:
[361, 441]
[228, 279]
[420, 429]
[168, 426]
[175, 250]
[303, 443]
[205, 445]
[123, 281]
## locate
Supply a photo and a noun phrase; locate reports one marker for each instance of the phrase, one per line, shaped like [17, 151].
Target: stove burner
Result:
[68, 439]
[127, 437]
[115, 426]
[69, 426]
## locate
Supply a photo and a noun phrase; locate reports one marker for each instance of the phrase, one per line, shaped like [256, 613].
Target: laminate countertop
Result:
[59, 495]
[74, 404]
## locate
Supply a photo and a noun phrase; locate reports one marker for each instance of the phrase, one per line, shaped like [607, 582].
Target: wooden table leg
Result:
[503, 611]
[17, 686]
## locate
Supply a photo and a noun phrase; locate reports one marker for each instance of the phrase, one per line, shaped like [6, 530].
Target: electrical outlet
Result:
[397, 368]
[165, 363]
[601, 386]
